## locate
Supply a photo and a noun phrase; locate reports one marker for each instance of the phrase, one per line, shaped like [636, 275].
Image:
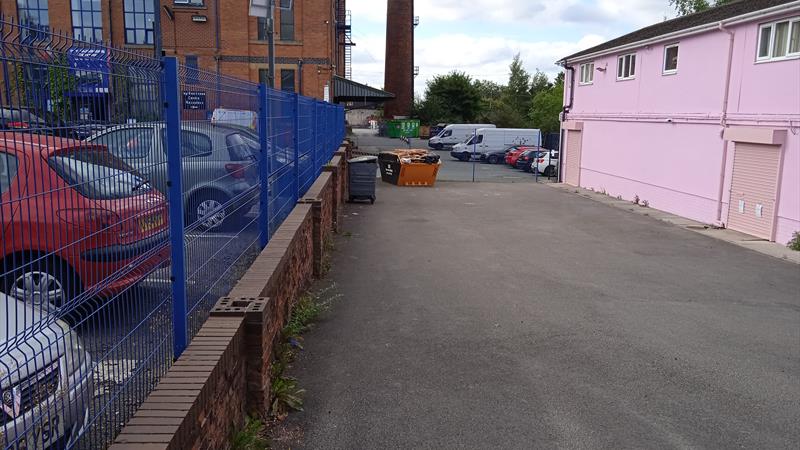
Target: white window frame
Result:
[664, 70]
[631, 75]
[587, 74]
[793, 22]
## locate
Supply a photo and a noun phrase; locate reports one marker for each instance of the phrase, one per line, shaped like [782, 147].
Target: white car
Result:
[545, 164]
[45, 379]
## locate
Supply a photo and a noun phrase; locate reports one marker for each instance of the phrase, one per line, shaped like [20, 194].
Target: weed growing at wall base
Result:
[794, 244]
[251, 437]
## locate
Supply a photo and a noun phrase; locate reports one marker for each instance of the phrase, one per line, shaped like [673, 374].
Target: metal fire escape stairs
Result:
[344, 30]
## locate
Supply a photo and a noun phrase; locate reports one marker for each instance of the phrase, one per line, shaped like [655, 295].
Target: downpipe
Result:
[564, 111]
[723, 122]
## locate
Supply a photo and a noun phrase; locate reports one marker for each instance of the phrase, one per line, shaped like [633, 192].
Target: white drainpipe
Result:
[723, 121]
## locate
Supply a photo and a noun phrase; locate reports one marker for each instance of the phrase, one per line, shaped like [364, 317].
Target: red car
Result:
[514, 154]
[76, 220]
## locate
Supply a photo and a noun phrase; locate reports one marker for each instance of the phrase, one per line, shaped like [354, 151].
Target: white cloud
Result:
[551, 12]
[493, 31]
[487, 58]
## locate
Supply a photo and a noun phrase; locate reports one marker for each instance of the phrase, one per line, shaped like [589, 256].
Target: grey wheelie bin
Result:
[362, 173]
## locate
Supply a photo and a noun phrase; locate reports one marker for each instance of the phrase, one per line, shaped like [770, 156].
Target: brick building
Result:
[311, 36]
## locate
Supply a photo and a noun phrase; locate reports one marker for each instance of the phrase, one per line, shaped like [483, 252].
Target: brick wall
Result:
[399, 78]
[224, 373]
[228, 40]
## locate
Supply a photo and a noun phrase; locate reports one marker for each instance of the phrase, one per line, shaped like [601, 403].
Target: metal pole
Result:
[264, 168]
[157, 42]
[172, 118]
[474, 147]
[297, 144]
[271, 44]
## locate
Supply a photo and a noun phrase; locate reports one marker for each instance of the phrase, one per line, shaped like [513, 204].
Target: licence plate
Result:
[151, 222]
[44, 434]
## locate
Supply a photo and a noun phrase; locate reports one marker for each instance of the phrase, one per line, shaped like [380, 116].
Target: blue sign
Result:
[91, 69]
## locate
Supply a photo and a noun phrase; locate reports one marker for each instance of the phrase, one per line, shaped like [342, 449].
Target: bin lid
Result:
[362, 159]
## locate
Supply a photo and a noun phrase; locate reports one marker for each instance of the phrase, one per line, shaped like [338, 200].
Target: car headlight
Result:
[76, 356]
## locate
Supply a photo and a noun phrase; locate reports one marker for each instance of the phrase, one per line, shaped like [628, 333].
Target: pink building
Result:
[699, 116]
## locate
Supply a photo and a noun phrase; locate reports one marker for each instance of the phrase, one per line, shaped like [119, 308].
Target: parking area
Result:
[467, 318]
[451, 169]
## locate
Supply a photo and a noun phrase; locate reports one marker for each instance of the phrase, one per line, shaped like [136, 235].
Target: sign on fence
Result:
[194, 100]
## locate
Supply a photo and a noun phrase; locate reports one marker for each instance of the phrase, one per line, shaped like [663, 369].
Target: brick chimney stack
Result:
[399, 74]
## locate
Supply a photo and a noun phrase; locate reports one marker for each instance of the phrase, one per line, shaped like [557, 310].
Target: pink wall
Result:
[766, 88]
[660, 136]
[789, 196]
[652, 161]
[696, 88]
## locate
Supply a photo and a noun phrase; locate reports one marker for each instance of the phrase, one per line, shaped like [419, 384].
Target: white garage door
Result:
[573, 162]
[753, 186]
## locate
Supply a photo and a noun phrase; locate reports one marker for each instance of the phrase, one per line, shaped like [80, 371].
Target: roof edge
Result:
[735, 20]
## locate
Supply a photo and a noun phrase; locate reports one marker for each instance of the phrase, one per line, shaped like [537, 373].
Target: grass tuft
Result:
[251, 437]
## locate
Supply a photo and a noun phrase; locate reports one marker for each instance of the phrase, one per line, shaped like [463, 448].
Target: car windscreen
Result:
[241, 147]
[98, 175]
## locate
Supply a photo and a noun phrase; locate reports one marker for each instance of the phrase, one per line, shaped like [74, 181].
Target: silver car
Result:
[46, 382]
[220, 172]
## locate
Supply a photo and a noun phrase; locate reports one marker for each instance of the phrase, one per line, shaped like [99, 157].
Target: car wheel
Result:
[45, 284]
[493, 159]
[466, 157]
[548, 171]
[438, 146]
[208, 211]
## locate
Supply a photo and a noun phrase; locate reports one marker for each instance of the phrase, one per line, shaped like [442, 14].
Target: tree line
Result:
[525, 101]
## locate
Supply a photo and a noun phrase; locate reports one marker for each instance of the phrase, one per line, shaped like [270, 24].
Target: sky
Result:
[480, 37]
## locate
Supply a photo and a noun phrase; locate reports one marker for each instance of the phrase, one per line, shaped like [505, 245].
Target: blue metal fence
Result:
[134, 193]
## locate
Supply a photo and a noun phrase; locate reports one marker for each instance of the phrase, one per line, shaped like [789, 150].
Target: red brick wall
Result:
[200, 398]
[235, 49]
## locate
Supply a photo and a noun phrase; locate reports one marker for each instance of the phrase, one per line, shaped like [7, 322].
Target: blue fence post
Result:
[264, 166]
[297, 144]
[316, 150]
[172, 118]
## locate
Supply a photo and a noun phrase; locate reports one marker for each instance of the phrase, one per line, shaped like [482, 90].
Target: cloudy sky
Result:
[480, 37]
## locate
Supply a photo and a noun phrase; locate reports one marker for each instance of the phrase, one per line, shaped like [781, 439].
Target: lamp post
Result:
[266, 9]
[157, 29]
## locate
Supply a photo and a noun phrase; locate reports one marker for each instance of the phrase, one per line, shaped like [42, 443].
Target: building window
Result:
[670, 59]
[287, 80]
[87, 20]
[192, 70]
[779, 40]
[626, 67]
[139, 20]
[263, 76]
[262, 28]
[287, 20]
[33, 14]
[587, 73]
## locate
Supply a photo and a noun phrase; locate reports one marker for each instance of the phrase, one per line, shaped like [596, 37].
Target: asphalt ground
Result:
[514, 315]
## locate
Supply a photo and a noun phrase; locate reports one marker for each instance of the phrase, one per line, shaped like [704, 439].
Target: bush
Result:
[794, 244]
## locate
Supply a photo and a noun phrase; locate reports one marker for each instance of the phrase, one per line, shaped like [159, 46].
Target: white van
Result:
[454, 134]
[239, 117]
[495, 139]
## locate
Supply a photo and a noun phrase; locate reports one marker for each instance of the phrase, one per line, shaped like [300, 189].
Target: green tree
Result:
[517, 94]
[490, 93]
[452, 98]
[546, 107]
[685, 7]
[539, 83]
